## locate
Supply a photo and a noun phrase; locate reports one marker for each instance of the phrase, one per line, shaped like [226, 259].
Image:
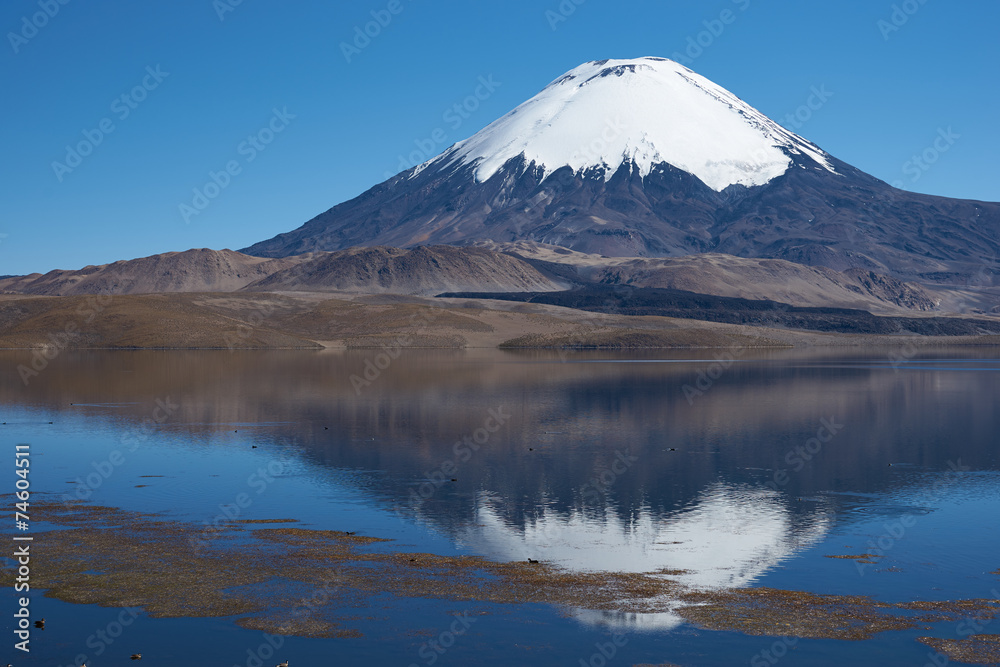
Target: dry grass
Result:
[638, 339]
[312, 320]
[145, 321]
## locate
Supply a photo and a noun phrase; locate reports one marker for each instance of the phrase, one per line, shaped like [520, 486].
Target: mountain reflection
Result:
[726, 538]
[711, 483]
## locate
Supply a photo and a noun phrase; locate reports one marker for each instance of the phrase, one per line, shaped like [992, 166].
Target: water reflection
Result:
[726, 538]
[696, 498]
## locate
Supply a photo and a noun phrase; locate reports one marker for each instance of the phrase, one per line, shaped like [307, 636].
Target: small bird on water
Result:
[40, 624]
[137, 656]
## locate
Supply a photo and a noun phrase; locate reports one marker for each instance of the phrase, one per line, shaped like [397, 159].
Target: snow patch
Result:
[647, 111]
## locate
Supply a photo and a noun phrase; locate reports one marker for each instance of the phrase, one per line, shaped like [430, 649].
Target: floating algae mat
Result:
[976, 650]
[112, 557]
[296, 581]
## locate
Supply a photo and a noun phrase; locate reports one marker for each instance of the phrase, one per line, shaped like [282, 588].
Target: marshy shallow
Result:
[822, 505]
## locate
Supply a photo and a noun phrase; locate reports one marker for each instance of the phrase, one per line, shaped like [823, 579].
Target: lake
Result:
[828, 471]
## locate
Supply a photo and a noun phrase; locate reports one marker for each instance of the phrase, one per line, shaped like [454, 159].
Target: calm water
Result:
[745, 472]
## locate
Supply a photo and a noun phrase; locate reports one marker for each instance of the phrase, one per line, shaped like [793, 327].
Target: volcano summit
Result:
[645, 158]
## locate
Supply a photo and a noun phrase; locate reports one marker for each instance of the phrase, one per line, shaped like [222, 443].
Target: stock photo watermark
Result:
[259, 481]
[260, 313]
[392, 351]
[894, 531]
[597, 488]
[245, 330]
[918, 165]
[223, 7]
[817, 99]
[432, 650]
[264, 651]
[773, 654]
[800, 455]
[121, 107]
[22, 544]
[968, 628]
[248, 149]
[57, 342]
[707, 377]
[103, 638]
[921, 163]
[700, 42]
[463, 450]
[562, 12]
[586, 153]
[363, 35]
[605, 651]
[33, 23]
[899, 16]
[130, 441]
[454, 116]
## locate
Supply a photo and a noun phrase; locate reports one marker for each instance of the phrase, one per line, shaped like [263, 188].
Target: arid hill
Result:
[487, 267]
[675, 176]
[200, 270]
[425, 270]
[48, 325]
[726, 275]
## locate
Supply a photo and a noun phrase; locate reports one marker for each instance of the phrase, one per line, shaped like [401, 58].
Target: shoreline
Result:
[314, 321]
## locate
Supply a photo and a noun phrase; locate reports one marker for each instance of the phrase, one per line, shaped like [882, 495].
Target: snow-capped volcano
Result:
[645, 158]
[646, 111]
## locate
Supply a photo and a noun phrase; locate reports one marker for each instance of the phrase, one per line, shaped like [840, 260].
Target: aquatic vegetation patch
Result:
[116, 558]
[976, 650]
[780, 613]
[319, 583]
[861, 558]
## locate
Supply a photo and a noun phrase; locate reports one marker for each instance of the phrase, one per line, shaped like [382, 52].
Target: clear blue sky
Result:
[892, 91]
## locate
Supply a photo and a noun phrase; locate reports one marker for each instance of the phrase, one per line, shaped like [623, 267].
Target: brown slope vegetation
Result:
[200, 270]
[247, 320]
[518, 267]
[264, 320]
[425, 270]
[130, 321]
[726, 275]
[637, 339]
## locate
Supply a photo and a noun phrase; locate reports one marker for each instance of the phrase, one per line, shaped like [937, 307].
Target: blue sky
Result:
[162, 95]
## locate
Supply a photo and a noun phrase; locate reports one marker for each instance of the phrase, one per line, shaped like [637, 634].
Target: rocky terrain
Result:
[199, 270]
[422, 270]
[645, 158]
[632, 198]
[726, 275]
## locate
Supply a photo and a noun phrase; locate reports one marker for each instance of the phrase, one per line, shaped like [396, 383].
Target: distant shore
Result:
[267, 321]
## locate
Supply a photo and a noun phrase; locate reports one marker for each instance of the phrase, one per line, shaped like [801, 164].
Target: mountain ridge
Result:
[485, 267]
[818, 210]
